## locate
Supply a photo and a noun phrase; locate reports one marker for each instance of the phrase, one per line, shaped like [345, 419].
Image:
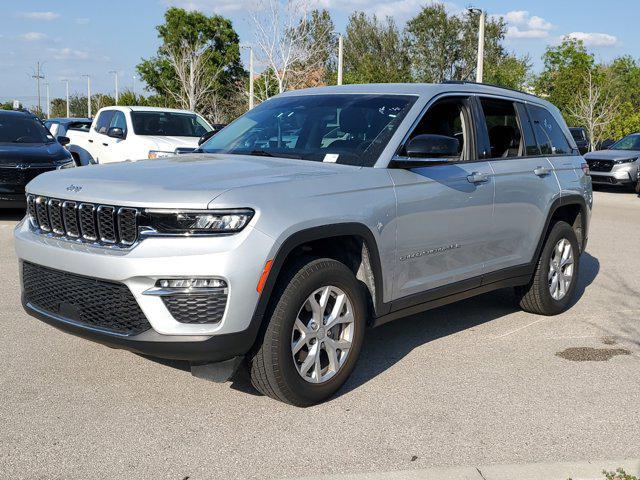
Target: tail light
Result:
[585, 168]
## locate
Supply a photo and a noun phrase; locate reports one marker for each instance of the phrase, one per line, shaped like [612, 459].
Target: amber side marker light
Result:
[263, 277]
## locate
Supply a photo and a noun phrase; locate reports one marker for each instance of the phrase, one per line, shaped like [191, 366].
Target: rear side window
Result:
[550, 136]
[104, 119]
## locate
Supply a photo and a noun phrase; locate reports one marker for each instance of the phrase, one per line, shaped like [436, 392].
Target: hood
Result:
[169, 144]
[185, 181]
[32, 153]
[612, 154]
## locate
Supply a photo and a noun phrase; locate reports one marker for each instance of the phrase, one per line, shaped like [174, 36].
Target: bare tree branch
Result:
[594, 109]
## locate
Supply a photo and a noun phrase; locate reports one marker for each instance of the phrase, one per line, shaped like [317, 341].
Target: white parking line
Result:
[518, 329]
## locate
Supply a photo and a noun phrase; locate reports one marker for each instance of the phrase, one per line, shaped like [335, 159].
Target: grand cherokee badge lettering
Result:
[432, 251]
[74, 188]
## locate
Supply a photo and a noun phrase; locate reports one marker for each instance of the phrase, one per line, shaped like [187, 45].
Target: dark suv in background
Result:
[27, 149]
[579, 134]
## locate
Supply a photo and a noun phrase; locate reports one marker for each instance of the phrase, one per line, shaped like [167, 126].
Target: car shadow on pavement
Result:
[386, 345]
[11, 215]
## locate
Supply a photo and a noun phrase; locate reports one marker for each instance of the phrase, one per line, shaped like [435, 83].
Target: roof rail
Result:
[462, 82]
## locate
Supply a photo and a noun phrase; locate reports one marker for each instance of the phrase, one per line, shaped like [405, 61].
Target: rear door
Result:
[524, 181]
[443, 210]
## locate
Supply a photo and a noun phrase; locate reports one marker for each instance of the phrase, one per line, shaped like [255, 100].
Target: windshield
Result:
[169, 124]
[346, 128]
[23, 129]
[630, 142]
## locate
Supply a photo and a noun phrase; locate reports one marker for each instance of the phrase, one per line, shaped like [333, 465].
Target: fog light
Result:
[191, 283]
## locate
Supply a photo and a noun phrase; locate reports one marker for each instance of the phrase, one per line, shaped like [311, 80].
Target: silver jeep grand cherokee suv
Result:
[316, 214]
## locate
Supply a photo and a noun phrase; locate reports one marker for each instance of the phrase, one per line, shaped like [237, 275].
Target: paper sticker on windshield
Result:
[331, 157]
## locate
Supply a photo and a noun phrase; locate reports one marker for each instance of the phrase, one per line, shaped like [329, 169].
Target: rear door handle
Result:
[478, 177]
[105, 144]
[90, 141]
[541, 171]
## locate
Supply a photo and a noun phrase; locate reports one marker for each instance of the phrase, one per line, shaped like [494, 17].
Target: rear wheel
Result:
[555, 279]
[314, 335]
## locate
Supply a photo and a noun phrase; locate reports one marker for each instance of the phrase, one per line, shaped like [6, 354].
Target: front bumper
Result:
[238, 259]
[619, 175]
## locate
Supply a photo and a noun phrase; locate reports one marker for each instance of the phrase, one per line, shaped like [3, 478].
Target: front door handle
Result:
[105, 144]
[478, 177]
[90, 141]
[541, 171]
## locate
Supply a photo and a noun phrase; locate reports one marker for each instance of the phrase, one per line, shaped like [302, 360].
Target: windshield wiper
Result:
[264, 153]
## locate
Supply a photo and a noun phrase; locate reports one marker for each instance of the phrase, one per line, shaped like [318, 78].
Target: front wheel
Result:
[313, 336]
[554, 282]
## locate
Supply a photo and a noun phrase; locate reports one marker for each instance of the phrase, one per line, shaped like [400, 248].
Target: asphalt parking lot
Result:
[478, 382]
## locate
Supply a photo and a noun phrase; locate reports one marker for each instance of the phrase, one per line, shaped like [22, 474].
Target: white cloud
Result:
[47, 16]
[218, 6]
[69, 54]
[33, 36]
[594, 39]
[82, 21]
[521, 24]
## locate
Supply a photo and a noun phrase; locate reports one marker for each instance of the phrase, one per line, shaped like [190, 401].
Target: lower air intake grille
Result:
[95, 303]
[196, 308]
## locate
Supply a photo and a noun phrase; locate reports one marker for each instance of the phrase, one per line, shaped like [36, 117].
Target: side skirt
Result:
[495, 281]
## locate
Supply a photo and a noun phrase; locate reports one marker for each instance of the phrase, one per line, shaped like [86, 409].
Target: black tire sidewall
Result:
[559, 231]
[314, 275]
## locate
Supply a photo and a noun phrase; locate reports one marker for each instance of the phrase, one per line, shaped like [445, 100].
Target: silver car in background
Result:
[619, 165]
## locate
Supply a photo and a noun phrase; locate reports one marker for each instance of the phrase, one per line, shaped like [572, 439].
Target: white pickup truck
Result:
[133, 133]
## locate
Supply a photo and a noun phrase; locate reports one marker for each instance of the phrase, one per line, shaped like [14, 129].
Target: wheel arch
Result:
[351, 243]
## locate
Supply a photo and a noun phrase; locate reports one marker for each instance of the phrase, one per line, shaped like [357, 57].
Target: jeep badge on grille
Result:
[74, 188]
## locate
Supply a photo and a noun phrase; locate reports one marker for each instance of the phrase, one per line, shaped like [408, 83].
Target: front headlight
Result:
[196, 222]
[626, 160]
[67, 164]
[159, 153]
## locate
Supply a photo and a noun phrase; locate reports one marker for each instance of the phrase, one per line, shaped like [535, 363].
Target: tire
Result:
[536, 297]
[274, 368]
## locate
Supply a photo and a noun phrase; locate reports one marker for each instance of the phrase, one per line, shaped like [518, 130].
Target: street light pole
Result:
[115, 73]
[88, 95]
[250, 75]
[134, 86]
[340, 54]
[38, 76]
[48, 101]
[67, 84]
[480, 68]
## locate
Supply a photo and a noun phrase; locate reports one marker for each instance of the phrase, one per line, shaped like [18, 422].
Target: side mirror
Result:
[206, 137]
[115, 132]
[432, 146]
[64, 141]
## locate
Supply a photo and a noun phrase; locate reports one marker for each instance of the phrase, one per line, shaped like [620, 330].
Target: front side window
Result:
[448, 118]
[23, 129]
[630, 142]
[119, 121]
[551, 138]
[104, 120]
[350, 129]
[175, 124]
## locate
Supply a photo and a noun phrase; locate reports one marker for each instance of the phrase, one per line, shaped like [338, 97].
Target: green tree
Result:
[374, 51]
[58, 107]
[443, 46]
[211, 37]
[565, 73]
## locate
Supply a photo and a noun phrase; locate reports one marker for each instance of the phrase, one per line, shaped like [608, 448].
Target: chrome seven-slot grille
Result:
[86, 222]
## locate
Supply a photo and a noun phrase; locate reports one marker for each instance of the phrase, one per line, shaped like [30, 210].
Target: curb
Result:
[591, 470]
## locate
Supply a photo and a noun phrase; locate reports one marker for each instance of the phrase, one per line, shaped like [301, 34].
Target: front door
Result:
[444, 210]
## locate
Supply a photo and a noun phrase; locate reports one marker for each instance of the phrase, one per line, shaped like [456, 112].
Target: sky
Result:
[72, 38]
